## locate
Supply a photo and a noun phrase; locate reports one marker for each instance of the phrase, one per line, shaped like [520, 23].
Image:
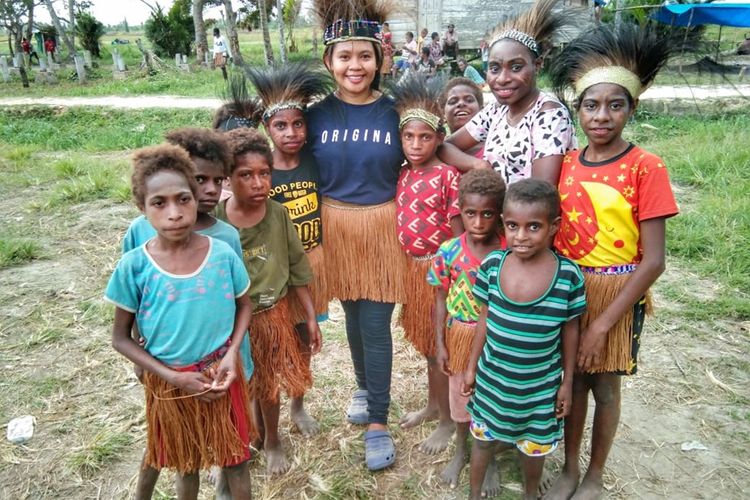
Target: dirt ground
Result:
[58, 365]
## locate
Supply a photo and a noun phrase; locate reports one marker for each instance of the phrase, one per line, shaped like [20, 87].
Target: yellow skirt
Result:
[417, 313]
[601, 290]
[279, 362]
[459, 337]
[318, 287]
[363, 257]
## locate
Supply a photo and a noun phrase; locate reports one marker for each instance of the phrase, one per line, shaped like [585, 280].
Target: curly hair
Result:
[203, 143]
[247, 140]
[484, 182]
[457, 81]
[149, 161]
[533, 191]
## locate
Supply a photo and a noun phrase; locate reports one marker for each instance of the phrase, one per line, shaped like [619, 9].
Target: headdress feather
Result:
[240, 109]
[418, 98]
[628, 55]
[533, 28]
[291, 86]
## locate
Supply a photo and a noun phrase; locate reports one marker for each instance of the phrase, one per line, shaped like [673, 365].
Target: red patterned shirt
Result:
[604, 203]
[426, 201]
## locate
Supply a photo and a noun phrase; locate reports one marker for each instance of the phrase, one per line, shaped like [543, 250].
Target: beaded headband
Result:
[519, 36]
[430, 119]
[234, 122]
[353, 29]
[610, 74]
[272, 110]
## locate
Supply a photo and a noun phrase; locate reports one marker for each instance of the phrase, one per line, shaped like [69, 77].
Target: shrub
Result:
[89, 30]
[171, 33]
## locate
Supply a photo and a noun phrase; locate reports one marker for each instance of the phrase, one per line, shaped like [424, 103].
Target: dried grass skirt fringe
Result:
[601, 290]
[279, 363]
[363, 256]
[416, 314]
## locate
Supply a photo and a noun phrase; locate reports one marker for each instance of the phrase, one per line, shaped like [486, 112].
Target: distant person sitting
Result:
[471, 73]
[425, 65]
[744, 48]
[436, 50]
[450, 42]
[221, 52]
[26, 47]
[408, 54]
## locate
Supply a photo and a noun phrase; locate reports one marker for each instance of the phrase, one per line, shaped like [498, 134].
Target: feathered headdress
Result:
[292, 86]
[627, 55]
[352, 19]
[418, 98]
[240, 109]
[533, 28]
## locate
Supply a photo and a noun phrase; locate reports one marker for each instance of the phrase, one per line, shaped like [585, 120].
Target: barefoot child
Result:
[284, 93]
[276, 260]
[188, 294]
[426, 215]
[526, 337]
[616, 199]
[210, 156]
[453, 274]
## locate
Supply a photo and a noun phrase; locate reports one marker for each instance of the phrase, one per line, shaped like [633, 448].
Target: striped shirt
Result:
[520, 369]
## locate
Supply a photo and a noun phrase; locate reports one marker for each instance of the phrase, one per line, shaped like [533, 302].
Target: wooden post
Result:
[80, 69]
[4, 68]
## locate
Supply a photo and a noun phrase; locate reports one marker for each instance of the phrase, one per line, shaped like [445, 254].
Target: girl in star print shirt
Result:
[616, 198]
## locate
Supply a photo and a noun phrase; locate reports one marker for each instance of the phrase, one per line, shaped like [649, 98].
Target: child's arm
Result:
[451, 152]
[191, 382]
[313, 329]
[226, 373]
[570, 332]
[594, 337]
[439, 314]
[480, 335]
[547, 168]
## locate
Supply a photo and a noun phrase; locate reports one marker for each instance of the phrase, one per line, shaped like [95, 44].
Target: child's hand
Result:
[467, 388]
[564, 401]
[441, 358]
[193, 383]
[316, 339]
[224, 374]
[138, 370]
[591, 346]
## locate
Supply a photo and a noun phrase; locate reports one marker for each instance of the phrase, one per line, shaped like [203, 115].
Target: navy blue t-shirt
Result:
[357, 149]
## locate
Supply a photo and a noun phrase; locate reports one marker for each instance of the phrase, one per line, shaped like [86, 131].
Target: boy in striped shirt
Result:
[521, 367]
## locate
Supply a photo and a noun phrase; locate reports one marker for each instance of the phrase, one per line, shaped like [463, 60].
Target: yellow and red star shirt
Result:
[603, 204]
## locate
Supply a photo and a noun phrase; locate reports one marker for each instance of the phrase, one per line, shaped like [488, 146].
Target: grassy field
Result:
[65, 204]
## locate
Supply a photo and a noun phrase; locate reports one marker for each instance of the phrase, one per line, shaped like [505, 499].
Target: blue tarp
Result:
[723, 14]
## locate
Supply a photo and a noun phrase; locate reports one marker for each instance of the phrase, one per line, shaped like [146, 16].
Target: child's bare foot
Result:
[545, 483]
[491, 485]
[438, 440]
[415, 418]
[304, 422]
[591, 488]
[276, 461]
[451, 475]
[563, 487]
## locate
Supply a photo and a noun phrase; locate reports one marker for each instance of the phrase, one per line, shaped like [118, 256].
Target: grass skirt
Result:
[318, 288]
[459, 337]
[363, 257]
[416, 314]
[601, 290]
[279, 363]
[186, 434]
